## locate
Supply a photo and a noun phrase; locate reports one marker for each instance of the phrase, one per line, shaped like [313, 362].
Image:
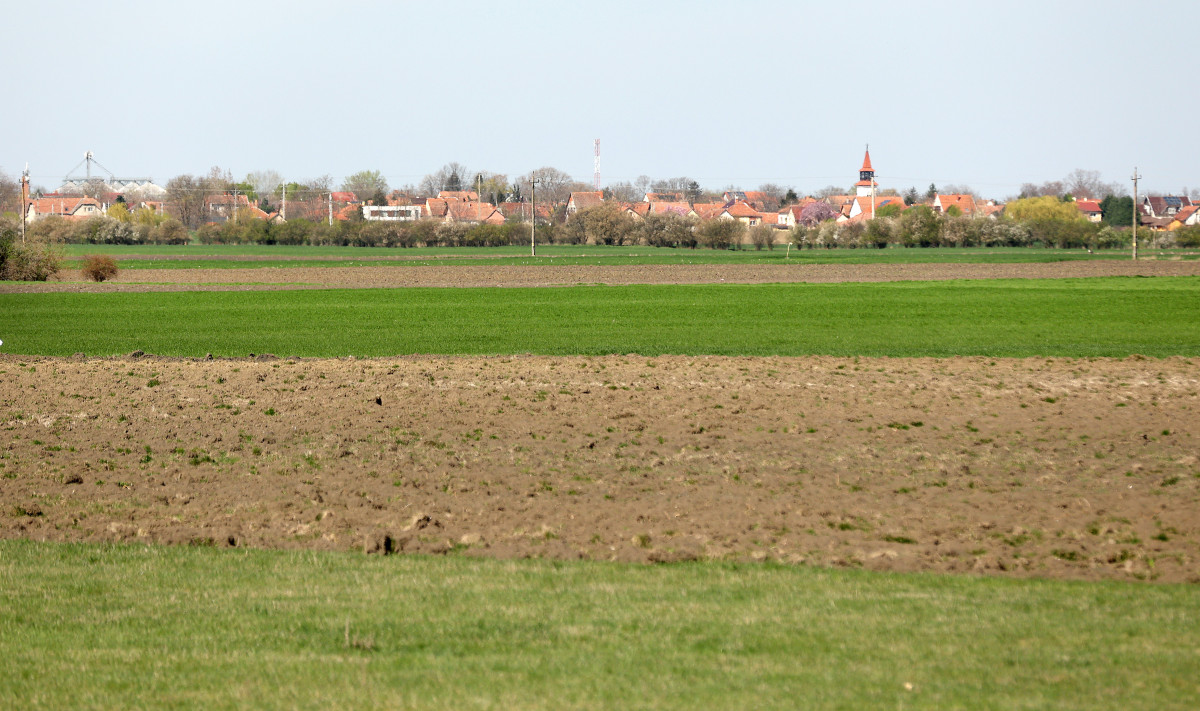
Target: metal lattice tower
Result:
[596, 174]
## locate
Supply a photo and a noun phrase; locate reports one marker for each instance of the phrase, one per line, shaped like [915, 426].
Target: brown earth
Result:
[1083, 469]
[555, 275]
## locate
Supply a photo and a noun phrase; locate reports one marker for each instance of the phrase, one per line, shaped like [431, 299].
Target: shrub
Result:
[99, 267]
[762, 236]
[33, 260]
[1188, 236]
[721, 233]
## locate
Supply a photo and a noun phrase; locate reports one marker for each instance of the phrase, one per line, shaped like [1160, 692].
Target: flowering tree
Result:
[816, 213]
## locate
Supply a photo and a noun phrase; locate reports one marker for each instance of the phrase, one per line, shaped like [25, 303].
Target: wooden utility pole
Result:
[1136, 177]
[24, 200]
[533, 219]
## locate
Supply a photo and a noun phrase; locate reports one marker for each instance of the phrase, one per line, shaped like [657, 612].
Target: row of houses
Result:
[750, 207]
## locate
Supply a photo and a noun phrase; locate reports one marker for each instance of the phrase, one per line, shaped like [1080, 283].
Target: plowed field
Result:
[1080, 469]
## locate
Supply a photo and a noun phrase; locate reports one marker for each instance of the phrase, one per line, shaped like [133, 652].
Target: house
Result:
[583, 200]
[436, 207]
[1186, 216]
[343, 198]
[391, 213]
[1164, 205]
[636, 209]
[485, 212]
[521, 211]
[861, 208]
[758, 200]
[789, 216]
[742, 212]
[964, 203]
[709, 210]
[71, 208]
[1090, 209]
[682, 209]
[221, 207]
[665, 197]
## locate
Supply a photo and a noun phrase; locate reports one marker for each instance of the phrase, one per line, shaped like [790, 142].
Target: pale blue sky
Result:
[985, 94]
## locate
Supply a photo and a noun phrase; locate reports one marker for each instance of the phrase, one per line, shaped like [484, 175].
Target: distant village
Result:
[79, 199]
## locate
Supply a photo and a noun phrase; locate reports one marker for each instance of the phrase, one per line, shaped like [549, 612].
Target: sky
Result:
[988, 95]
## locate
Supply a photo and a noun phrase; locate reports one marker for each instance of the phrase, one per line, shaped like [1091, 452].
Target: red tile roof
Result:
[345, 196]
[741, 209]
[465, 195]
[965, 203]
[584, 200]
[679, 208]
[1090, 207]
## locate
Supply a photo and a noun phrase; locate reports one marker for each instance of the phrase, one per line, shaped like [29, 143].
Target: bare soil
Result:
[1081, 469]
[550, 274]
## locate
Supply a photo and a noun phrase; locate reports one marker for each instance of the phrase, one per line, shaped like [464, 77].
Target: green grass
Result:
[237, 256]
[88, 626]
[1073, 317]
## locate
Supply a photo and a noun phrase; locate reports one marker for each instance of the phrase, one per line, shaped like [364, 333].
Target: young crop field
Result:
[1011, 318]
[923, 486]
[102, 626]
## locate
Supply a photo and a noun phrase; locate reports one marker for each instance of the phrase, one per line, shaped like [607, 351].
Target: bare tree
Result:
[1087, 185]
[10, 193]
[264, 182]
[625, 192]
[772, 190]
[830, 191]
[452, 176]
[958, 189]
[186, 195]
[553, 185]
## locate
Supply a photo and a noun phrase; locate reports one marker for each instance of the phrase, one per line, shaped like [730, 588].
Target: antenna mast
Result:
[596, 173]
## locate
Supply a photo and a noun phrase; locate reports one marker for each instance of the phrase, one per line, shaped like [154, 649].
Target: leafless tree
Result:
[10, 193]
[772, 190]
[1088, 185]
[554, 186]
[264, 182]
[452, 176]
[830, 191]
[625, 192]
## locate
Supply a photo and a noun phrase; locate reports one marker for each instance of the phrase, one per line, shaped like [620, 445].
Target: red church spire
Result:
[867, 162]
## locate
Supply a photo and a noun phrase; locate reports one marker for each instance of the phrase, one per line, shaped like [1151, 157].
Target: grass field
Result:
[1073, 317]
[147, 627]
[227, 256]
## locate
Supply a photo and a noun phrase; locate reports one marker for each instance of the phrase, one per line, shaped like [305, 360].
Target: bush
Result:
[762, 236]
[721, 233]
[33, 260]
[1188, 236]
[99, 267]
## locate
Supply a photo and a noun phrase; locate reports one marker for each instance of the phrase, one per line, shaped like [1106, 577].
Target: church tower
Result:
[865, 186]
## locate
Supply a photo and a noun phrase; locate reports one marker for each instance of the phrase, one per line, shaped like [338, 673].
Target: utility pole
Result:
[24, 200]
[283, 203]
[533, 218]
[1135, 179]
[330, 209]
